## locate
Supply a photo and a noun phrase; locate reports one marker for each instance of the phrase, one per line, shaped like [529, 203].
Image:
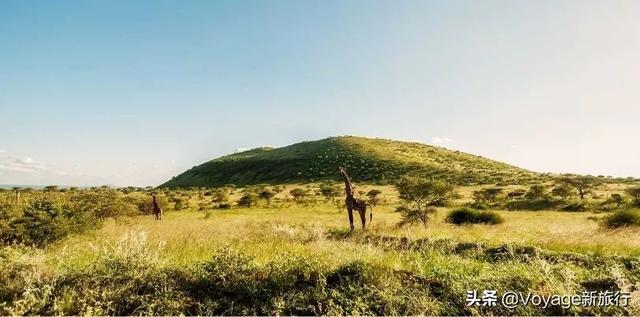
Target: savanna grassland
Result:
[237, 250]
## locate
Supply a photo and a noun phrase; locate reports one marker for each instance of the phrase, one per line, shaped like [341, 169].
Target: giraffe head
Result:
[341, 170]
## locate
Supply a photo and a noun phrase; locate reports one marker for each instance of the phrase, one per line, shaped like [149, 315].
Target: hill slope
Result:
[367, 160]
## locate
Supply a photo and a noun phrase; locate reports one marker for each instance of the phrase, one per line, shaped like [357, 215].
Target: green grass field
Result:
[299, 258]
[189, 236]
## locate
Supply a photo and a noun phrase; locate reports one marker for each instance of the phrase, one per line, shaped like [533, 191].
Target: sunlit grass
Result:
[190, 236]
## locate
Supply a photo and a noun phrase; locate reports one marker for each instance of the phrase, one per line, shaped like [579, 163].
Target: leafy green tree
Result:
[537, 192]
[583, 184]
[419, 198]
[487, 195]
[563, 191]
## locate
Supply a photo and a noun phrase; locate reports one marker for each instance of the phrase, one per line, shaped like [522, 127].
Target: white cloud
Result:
[23, 165]
[441, 141]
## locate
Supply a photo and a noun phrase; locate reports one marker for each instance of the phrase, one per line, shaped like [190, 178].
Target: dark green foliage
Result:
[470, 216]
[616, 199]
[614, 202]
[634, 192]
[622, 218]
[46, 220]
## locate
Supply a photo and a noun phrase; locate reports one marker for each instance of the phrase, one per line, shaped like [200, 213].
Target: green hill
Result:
[367, 160]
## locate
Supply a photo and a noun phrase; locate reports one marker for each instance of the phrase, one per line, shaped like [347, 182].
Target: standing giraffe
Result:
[157, 211]
[352, 202]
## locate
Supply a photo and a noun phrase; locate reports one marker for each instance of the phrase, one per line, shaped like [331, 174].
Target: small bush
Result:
[467, 215]
[41, 218]
[577, 206]
[248, 200]
[622, 218]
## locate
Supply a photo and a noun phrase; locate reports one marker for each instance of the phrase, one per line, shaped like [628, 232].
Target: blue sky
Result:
[134, 92]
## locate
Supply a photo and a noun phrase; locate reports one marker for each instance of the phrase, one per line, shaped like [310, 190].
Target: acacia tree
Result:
[487, 195]
[419, 198]
[298, 194]
[248, 199]
[329, 192]
[583, 184]
[563, 191]
[373, 197]
[266, 195]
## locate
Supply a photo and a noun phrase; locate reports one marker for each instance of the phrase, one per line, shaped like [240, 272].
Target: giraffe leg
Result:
[350, 211]
[363, 216]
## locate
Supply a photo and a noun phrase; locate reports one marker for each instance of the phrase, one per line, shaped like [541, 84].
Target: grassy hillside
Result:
[368, 160]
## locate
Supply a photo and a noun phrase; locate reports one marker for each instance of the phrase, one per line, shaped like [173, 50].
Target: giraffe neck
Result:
[348, 187]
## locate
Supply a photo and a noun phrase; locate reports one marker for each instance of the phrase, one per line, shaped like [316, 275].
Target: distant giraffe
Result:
[157, 211]
[352, 202]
